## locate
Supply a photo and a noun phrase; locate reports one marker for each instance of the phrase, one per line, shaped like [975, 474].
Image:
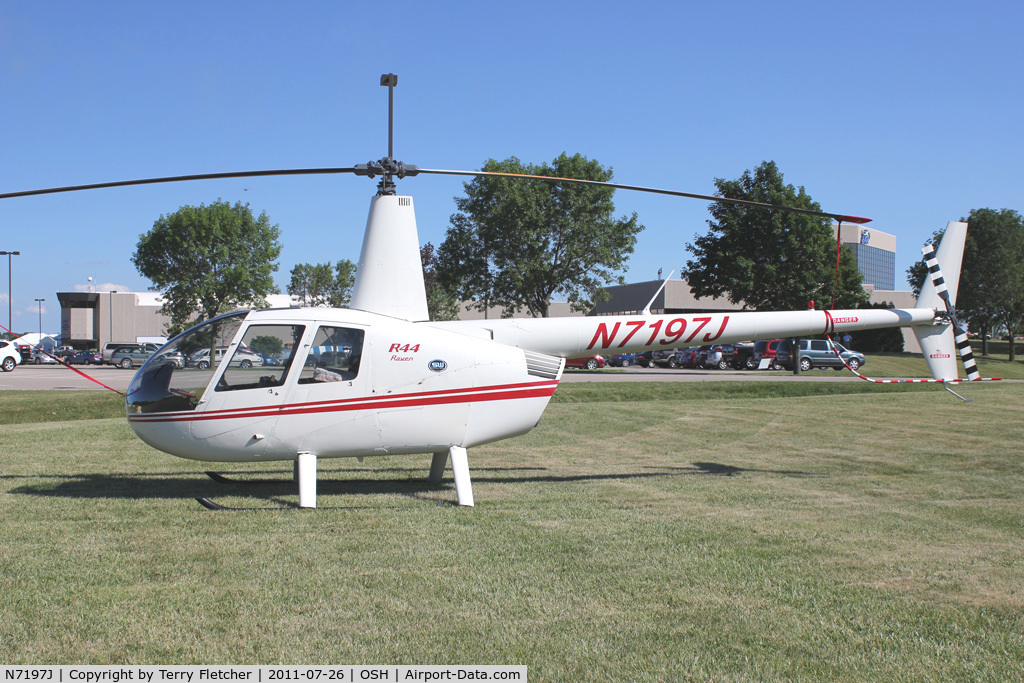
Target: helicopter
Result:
[380, 378]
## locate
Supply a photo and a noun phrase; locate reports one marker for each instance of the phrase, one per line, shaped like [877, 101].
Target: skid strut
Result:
[306, 469]
[460, 468]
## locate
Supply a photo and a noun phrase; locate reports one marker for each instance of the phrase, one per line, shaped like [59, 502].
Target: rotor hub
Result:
[387, 168]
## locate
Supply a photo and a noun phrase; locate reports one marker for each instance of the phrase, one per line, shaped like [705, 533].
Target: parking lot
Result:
[61, 378]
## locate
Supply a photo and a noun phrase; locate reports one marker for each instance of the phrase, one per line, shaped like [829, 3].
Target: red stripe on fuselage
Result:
[448, 396]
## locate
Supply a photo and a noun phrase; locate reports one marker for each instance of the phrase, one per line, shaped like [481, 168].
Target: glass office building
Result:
[875, 252]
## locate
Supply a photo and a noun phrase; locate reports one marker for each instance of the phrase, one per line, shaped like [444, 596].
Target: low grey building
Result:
[88, 320]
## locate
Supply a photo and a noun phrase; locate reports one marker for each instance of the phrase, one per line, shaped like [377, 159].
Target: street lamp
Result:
[10, 293]
[40, 303]
[110, 313]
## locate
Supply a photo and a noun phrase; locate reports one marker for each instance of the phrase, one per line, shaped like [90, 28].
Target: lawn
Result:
[641, 532]
[914, 365]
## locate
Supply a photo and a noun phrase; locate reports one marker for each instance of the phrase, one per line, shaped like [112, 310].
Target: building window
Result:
[878, 266]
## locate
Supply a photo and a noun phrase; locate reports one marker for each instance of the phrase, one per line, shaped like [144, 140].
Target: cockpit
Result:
[266, 356]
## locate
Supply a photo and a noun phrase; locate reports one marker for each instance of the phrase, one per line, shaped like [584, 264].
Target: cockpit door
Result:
[329, 410]
[242, 405]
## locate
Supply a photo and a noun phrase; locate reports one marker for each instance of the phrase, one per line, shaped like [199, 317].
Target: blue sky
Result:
[908, 113]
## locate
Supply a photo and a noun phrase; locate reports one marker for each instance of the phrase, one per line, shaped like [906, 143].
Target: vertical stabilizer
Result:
[950, 256]
[389, 279]
[937, 341]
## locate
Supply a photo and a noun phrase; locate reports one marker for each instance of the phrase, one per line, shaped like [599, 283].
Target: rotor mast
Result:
[387, 167]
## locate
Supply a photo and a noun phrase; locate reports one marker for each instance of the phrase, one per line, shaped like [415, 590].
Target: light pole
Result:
[40, 304]
[10, 294]
[110, 314]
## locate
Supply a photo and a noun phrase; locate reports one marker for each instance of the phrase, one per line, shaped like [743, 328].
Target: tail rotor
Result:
[963, 345]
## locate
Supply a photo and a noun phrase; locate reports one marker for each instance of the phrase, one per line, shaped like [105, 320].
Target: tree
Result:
[441, 305]
[886, 339]
[206, 260]
[991, 290]
[267, 344]
[518, 243]
[770, 259]
[319, 285]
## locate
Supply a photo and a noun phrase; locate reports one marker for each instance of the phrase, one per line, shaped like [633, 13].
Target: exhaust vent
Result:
[542, 365]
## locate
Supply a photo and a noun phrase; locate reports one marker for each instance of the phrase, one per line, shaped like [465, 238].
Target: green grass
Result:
[17, 407]
[914, 365]
[706, 532]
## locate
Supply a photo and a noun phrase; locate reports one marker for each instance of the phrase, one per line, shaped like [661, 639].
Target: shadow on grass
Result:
[168, 485]
[720, 470]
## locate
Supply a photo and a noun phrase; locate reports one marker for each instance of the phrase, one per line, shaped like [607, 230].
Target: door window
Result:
[334, 356]
[262, 357]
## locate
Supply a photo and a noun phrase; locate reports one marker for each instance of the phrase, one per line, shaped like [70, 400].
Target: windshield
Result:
[176, 377]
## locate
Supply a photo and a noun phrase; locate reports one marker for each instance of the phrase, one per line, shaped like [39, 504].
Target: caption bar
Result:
[257, 674]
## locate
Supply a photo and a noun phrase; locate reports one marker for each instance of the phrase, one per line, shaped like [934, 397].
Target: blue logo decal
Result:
[865, 236]
[437, 365]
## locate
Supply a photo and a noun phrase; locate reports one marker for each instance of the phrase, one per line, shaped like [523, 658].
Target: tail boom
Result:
[574, 337]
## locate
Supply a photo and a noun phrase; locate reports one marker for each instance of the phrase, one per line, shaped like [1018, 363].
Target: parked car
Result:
[130, 355]
[707, 356]
[738, 356]
[64, 351]
[110, 347]
[9, 356]
[85, 358]
[242, 358]
[175, 357]
[621, 360]
[817, 353]
[587, 362]
[645, 359]
[40, 357]
[687, 358]
[666, 358]
[766, 348]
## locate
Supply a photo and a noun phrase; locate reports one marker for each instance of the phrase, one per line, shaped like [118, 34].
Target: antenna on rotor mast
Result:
[386, 185]
[387, 167]
[390, 80]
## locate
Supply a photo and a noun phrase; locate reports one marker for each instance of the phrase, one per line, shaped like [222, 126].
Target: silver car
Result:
[130, 355]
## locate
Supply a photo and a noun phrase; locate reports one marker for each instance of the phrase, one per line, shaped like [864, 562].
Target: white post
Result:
[460, 468]
[437, 464]
[307, 480]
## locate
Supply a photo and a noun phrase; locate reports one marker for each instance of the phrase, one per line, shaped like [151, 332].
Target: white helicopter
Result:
[380, 378]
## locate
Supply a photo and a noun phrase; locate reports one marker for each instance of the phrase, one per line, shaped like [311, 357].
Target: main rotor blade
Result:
[413, 170]
[180, 178]
[675, 193]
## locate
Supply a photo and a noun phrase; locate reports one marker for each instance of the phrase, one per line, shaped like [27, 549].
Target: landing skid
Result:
[221, 479]
[210, 505]
[305, 476]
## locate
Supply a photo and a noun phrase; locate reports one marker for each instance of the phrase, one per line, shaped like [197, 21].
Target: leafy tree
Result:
[207, 260]
[320, 285]
[770, 259]
[267, 344]
[885, 339]
[441, 305]
[991, 291]
[518, 243]
[309, 281]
